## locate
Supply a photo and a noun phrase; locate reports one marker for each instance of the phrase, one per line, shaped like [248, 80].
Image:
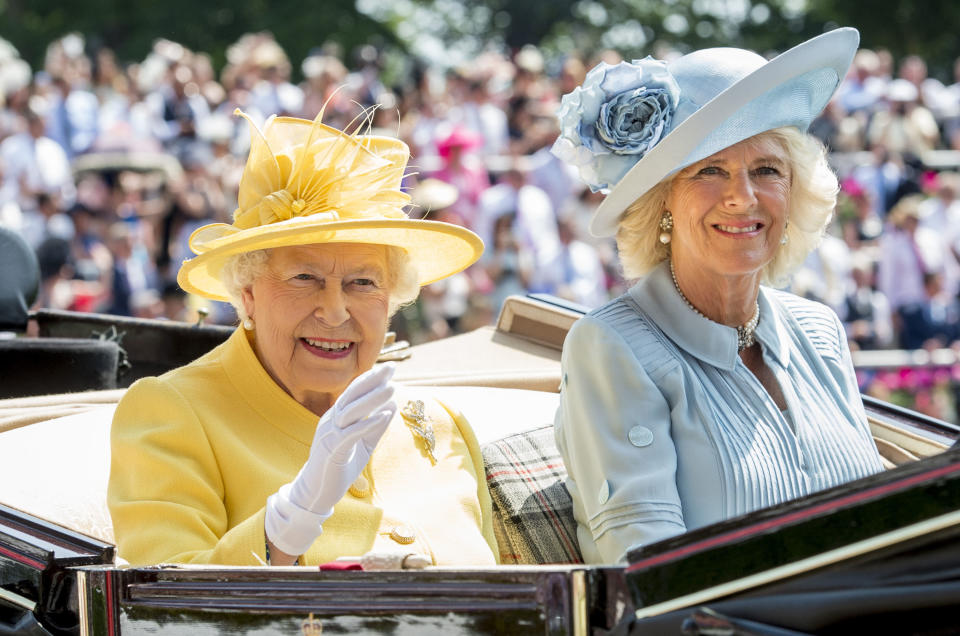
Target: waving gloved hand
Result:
[345, 437]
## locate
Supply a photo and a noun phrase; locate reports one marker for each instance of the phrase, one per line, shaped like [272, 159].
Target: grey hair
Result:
[240, 270]
[813, 197]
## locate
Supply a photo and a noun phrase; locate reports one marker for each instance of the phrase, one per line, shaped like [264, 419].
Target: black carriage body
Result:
[183, 600]
[879, 552]
[876, 553]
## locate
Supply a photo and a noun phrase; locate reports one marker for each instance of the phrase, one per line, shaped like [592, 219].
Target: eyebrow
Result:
[771, 159]
[366, 268]
[721, 160]
[763, 160]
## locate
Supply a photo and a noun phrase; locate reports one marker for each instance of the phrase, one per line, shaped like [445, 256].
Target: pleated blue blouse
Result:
[663, 428]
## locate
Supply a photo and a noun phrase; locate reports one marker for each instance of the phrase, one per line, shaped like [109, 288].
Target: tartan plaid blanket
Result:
[533, 513]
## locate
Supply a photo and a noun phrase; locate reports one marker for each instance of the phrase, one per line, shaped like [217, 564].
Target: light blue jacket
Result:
[663, 428]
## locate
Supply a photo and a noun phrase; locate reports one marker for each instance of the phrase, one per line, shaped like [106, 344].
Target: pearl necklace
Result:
[745, 337]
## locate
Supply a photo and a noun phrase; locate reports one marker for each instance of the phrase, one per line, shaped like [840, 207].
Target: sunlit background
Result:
[117, 140]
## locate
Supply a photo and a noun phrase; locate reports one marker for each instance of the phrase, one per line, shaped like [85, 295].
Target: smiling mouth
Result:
[334, 348]
[732, 229]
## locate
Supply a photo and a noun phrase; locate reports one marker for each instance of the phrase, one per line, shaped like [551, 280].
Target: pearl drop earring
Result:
[666, 224]
[248, 324]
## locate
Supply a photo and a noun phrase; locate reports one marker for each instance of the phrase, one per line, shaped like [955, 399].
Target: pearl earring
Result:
[666, 224]
[248, 324]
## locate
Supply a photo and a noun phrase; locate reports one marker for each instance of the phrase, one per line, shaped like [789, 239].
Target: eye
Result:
[303, 277]
[710, 170]
[365, 283]
[768, 171]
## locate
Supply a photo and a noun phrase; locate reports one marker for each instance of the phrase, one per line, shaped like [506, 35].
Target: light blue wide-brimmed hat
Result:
[631, 125]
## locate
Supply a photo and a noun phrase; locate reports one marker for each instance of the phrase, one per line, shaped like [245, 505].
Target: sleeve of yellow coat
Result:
[483, 492]
[165, 493]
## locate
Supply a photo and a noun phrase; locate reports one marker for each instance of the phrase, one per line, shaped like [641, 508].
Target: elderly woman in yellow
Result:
[285, 444]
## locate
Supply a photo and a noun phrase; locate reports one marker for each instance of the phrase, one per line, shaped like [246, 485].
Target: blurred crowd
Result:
[107, 166]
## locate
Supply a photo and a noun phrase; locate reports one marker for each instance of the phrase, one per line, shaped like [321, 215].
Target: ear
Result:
[246, 297]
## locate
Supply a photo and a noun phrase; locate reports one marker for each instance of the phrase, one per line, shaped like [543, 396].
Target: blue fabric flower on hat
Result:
[612, 120]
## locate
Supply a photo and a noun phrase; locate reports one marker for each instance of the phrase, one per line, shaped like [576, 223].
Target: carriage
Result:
[875, 555]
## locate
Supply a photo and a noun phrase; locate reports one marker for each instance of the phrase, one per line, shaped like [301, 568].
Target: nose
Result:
[331, 307]
[740, 193]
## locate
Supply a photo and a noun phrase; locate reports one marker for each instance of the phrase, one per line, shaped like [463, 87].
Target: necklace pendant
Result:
[745, 337]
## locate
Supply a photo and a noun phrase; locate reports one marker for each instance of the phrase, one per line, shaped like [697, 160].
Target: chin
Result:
[741, 265]
[333, 382]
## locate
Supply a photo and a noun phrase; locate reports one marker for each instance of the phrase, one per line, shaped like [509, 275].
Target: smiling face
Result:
[730, 209]
[320, 314]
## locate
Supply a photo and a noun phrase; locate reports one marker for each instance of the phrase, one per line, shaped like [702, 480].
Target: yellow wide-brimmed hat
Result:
[306, 182]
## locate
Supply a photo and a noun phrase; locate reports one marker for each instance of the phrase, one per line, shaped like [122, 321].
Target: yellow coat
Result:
[197, 451]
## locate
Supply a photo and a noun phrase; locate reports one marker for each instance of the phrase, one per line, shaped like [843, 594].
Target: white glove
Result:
[346, 435]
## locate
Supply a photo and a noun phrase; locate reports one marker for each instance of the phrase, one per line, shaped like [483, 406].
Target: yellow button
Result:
[360, 488]
[404, 535]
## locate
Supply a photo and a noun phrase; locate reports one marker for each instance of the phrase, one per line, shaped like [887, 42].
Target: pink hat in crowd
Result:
[459, 137]
[852, 187]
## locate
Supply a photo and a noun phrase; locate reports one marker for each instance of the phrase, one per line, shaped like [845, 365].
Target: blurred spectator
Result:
[930, 90]
[864, 85]
[940, 215]
[828, 125]
[825, 276]
[72, 109]
[274, 93]
[941, 211]
[34, 164]
[882, 178]
[431, 198]
[121, 290]
[478, 114]
[323, 76]
[183, 109]
[73, 115]
[951, 102]
[535, 225]
[905, 125]
[441, 305]
[582, 279]
[463, 169]
[868, 322]
[508, 266]
[901, 267]
[551, 175]
[132, 273]
[859, 223]
[56, 274]
[491, 119]
[92, 260]
[932, 322]
[175, 303]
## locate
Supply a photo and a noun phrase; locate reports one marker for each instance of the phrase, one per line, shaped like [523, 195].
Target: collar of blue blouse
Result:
[709, 341]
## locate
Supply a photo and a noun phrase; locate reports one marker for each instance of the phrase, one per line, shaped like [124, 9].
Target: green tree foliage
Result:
[642, 27]
[129, 27]
[928, 28]
[464, 27]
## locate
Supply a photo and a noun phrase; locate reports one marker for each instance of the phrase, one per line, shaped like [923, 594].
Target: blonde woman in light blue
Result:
[702, 393]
